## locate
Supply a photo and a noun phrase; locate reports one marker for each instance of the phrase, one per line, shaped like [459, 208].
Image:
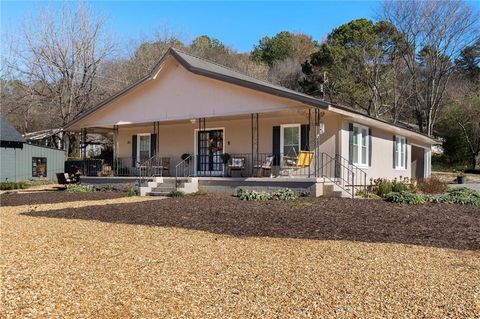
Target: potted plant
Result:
[185, 156]
[461, 178]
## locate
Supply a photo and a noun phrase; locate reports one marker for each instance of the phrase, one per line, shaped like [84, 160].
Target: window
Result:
[39, 167]
[290, 140]
[400, 149]
[143, 152]
[360, 145]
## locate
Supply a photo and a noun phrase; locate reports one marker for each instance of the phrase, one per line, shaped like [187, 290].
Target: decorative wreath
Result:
[215, 144]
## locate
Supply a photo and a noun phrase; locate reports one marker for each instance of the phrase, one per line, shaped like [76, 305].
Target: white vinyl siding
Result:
[360, 145]
[400, 149]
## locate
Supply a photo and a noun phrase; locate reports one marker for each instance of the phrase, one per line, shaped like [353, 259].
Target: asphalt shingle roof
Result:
[8, 132]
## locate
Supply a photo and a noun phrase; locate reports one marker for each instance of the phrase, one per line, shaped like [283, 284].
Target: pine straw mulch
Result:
[214, 256]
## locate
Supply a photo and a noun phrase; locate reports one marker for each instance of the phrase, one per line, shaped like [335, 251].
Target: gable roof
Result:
[219, 72]
[8, 132]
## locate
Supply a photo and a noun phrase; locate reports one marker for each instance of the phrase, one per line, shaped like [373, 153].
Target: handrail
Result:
[344, 174]
[185, 165]
[150, 168]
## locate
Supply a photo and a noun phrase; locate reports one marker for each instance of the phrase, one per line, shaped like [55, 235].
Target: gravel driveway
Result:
[102, 256]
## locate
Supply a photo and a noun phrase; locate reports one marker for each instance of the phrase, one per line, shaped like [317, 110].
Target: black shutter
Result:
[276, 145]
[134, 150]
[406, 153]
[305, 137]
[370, 147]
[394, 150]
[350, 143]
[153, 144]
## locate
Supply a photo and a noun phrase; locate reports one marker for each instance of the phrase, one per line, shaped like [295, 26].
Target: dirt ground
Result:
[104, 256]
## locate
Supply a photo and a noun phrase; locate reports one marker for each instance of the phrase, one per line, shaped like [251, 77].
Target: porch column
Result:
[254, 141]
[115, 150]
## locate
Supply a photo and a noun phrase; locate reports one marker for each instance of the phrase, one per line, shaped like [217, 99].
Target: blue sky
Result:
[238, 24]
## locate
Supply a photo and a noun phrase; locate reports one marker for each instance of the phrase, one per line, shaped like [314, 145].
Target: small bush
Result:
[382, 186]
[408, 198]
[252, 195]
[106, 188]
[12, 185]
[200, 192]
[432, 185]
[131, 191]
[39, 181]
[462, 196]
[81, 189]
[368, 195]
[283, 194]
[176, 193]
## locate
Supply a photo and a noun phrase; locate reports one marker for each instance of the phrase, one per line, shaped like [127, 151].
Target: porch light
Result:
[193, 121]
[321, 127]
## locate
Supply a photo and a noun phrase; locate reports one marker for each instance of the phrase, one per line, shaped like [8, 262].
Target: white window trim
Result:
[282, 135]
[367, 159]
[138, 146]
[399, 167]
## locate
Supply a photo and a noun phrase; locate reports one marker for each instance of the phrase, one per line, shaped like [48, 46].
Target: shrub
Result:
[39, 181]
[12, 185]
[107, 188]
[462, 196]
[432, 185]
[368, 195]
[400, 186]
[176, 193]
[408, 198]
[252, 195]
[200, 192]
[283, 194]
[131, 191]
[81, 189]
[382, 186]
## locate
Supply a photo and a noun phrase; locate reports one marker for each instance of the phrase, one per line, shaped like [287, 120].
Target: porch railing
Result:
[183, 169]
[149, 169]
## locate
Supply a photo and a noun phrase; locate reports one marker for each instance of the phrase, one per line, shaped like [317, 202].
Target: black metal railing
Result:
[340, 171]
[184, 169]
[152, 167]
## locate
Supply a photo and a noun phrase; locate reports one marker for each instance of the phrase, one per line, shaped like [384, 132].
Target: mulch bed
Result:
[49, 197]
[440, 225]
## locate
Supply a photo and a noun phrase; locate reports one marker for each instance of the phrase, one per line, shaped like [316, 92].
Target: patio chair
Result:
[65, 179]
[303, 160]
[266, 166]
[236, 164]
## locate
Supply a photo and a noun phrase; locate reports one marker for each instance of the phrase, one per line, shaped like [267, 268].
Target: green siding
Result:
[16, 164]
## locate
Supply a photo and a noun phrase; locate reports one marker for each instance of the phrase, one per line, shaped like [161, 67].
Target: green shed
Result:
[21, 161]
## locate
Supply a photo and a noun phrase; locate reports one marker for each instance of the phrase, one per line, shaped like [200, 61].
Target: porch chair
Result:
[236, 164]
[65, 179]
[261, 167]
[303, 160]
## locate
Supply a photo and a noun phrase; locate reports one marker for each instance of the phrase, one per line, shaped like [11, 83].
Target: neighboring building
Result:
[21, 161]
[93, 145]
[188, 105]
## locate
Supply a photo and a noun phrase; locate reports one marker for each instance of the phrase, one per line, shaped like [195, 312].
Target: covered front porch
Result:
[286, 143]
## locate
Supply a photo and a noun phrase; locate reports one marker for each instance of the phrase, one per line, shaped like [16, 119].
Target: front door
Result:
[209, 152]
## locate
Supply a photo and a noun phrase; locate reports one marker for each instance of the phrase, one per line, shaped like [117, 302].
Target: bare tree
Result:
[58, 59]
[434, 32]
